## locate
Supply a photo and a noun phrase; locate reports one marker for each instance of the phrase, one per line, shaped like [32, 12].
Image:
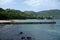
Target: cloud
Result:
[6, 2]
[41, 3]
[32, 3]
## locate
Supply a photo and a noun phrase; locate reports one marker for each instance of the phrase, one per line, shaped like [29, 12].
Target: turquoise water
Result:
[36, 31]
[34, 20]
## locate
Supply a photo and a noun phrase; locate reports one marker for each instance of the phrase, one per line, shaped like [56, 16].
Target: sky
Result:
[30, 5]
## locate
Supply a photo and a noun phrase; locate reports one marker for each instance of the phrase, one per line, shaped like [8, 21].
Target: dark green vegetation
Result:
[6, 14]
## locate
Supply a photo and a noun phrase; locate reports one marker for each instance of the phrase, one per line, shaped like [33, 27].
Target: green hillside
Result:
[55, 13]
[6, 14]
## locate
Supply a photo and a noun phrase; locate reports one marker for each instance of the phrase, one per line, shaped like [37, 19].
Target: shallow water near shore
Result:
[36, 31]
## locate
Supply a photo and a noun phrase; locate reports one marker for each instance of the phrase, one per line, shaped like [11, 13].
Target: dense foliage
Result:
[6, 14]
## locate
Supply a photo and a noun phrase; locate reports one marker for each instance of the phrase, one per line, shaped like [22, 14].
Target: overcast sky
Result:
[30, 5]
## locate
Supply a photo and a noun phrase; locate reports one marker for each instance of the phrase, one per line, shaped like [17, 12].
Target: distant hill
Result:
[6, 14]
[29, 12]
[55, 13]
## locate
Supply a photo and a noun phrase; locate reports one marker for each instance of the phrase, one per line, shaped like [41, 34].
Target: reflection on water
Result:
[30, 31]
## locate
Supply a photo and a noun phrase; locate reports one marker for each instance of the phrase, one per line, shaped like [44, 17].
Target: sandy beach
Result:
[5, 21]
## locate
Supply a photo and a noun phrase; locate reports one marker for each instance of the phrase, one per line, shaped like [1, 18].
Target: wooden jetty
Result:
[13, 22]
[28, 23]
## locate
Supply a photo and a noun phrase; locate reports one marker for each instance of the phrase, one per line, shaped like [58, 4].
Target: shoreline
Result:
[15, 22]
[5, 21]
[29, 23]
